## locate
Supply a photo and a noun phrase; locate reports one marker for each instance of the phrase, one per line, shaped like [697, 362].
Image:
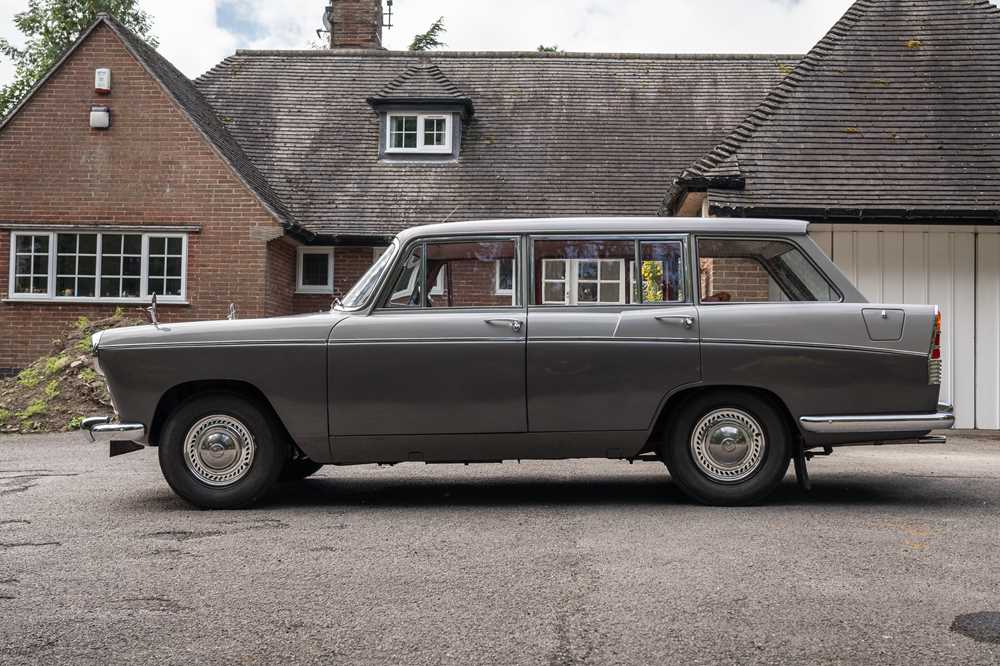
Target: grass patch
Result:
[37, 408]
[30, 377]
[74, 423]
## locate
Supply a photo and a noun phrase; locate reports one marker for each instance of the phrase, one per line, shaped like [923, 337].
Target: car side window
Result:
[603, 272]
[457, 274]
[734, 270]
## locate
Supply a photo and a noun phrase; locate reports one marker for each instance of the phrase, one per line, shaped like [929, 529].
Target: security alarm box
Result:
[102, 81]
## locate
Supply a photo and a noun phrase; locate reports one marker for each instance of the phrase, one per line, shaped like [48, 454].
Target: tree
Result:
[429, 40]
[50, 27]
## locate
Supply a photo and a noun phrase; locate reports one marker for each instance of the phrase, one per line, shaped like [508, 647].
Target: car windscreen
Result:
[362, 291]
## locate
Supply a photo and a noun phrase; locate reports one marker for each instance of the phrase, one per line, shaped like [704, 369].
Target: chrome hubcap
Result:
[728, 445]
[219, 450]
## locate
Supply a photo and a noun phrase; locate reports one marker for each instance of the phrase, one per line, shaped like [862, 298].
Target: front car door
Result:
[443, 352]
[609, 338]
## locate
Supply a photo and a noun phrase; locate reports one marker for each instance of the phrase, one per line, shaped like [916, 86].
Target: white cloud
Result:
[193, 39]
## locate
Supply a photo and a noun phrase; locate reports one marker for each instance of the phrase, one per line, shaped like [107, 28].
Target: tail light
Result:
[934, 357]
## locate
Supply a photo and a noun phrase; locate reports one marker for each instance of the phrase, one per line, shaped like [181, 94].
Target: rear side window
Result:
[604, 272]
[733, 270]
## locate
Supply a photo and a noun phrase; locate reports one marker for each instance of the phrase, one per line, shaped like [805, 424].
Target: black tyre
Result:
[727, 448]
[221, 451]
[298, 469]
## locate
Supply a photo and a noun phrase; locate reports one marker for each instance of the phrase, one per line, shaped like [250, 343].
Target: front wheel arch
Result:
[178, 395]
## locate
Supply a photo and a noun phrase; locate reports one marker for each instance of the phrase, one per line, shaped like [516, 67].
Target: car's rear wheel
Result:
[727, 448]
[298, 469]
[222, 451]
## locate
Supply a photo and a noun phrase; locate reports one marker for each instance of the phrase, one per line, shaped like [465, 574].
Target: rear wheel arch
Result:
[677, 401]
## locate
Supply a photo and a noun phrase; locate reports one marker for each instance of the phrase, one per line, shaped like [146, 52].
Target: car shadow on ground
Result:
[429, 491]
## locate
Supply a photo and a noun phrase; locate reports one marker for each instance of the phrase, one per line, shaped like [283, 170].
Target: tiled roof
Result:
[552, 135]
[204, 117]
[894, 114]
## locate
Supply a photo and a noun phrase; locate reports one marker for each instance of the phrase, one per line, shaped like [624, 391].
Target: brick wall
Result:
[349, 264]
[152, 168]
[744, 280]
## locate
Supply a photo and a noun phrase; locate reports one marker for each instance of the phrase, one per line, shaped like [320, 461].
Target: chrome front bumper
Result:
[943, 419]
[103, 429]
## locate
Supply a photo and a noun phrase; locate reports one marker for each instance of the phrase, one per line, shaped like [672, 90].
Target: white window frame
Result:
[313, 288]
[144, 294]
[572, 281]
[506, 292]
[421, 147]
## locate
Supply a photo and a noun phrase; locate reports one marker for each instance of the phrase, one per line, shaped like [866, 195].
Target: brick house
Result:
[273, 180]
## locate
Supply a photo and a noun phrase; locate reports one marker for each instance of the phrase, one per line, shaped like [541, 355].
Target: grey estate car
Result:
[725, 349]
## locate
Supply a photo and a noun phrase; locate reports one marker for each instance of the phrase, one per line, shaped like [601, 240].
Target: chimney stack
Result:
[354, 24]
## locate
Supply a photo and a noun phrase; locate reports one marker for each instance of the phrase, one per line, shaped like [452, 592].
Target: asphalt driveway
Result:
[568, 562]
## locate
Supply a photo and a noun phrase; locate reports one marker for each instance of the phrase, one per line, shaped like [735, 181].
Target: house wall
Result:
[152, 168]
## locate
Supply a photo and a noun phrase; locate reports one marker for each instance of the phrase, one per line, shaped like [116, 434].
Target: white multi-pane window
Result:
[583, 281]
[418, 133]
[98, 266]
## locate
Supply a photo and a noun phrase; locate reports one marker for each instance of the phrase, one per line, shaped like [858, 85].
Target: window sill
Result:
[91, 301]
[314, 292]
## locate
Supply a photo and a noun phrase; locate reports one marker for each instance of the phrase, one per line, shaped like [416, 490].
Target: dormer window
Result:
[418, 133]
[421, 116]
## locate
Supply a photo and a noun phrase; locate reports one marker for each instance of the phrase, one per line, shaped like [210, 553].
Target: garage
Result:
[955, 267]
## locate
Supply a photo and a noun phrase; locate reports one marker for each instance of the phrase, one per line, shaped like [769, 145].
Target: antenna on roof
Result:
[450, 214]
[387, 16]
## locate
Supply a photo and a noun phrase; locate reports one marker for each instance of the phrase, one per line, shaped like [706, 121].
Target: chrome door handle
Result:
[515, 324]
[686, 320]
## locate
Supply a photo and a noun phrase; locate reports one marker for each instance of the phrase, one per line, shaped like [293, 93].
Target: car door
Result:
[608, 339]
[443, 354]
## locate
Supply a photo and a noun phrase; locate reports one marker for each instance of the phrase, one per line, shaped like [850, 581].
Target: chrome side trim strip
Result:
[216, 343]
[426, 341]
[875, 423]
[812, 345]
[608, 339]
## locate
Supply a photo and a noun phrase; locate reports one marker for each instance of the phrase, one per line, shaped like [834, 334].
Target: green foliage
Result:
[50, 27]
[88, 375]
[652, 282]
[4, 416]
[542, 48]
[55, 364]
[119, 312]
[84, 345]
[74, 423]
[37, 408]
[81, 324]
[52, 389]
[429, 40]
[30, 377]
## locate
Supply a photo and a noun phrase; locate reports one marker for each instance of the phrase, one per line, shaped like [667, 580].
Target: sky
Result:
[196, 34]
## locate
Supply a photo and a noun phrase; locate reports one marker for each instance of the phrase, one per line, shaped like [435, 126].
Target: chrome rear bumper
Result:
[943, 419]
[102, 429]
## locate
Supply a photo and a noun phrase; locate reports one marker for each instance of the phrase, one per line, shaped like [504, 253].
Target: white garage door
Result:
[957, 268]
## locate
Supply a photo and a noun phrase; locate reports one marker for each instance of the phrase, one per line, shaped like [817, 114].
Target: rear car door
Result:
[443, 354]
[608, 338]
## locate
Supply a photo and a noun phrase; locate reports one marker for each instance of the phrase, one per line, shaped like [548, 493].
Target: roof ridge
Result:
[567, 55]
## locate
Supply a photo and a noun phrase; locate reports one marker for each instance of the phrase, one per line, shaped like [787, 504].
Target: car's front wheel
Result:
[222, 451]
[727, 448]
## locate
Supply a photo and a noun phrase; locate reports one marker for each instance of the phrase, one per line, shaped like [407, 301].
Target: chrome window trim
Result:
[696, 257]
